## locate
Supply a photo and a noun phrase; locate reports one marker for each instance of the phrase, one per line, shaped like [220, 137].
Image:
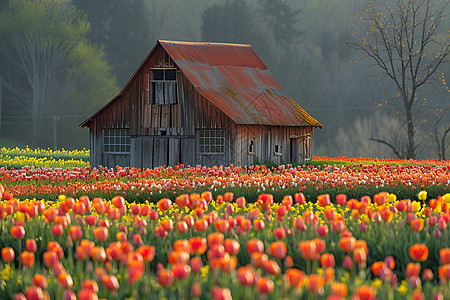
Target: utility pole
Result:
[55, 141]
[0, 103]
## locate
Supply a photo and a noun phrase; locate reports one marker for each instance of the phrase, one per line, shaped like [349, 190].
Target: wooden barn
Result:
[200, 104]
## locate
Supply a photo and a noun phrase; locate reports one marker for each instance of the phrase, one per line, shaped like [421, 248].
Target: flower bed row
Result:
[200, 246]
[354, 180]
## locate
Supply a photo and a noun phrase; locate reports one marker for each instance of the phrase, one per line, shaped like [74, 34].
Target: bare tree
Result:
[401, 37]
[440, 131]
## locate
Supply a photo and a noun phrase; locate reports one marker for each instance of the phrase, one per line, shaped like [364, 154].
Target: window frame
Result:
[214, 138]
[165, 83]
[114, 145]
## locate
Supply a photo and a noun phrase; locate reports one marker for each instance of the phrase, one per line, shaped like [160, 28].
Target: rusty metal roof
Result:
[236, 80]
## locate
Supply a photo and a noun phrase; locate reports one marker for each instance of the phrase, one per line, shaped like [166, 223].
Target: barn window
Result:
[211, 141]
[163, 84]
[251, 148]
[116, 140]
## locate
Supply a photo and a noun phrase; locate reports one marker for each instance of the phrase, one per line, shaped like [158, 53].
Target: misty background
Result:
[100, 43]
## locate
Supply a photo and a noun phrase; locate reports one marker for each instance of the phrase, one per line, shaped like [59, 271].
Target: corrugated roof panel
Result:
[236, 80]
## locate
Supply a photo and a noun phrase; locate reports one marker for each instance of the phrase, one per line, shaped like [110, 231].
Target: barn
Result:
[199, 103]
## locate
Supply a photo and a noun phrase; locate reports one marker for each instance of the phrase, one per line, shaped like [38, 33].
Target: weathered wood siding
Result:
[265, 139]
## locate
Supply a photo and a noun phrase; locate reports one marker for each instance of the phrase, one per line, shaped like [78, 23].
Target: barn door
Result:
[293, 156]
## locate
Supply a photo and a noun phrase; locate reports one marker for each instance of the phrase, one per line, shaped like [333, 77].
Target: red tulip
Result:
[279, 233]
[18, 232]
[34, 293]
[300, 198]
[31, 245]
[165, 277]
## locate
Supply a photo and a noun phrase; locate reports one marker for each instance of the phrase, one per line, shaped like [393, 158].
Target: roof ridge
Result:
[204, 43]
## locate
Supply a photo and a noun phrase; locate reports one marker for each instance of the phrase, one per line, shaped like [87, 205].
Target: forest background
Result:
[87, 50]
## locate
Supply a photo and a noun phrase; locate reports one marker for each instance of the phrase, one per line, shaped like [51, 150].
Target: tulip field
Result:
[333, 228]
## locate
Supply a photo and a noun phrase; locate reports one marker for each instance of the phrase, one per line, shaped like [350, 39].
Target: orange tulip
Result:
[40, 280]
[417, 225]
[110, 282]
[167, 224]
[197, 245]
[278, 249]
[222, 225]
[308, 250]
[294, 277]
[240, 201]
[164, 204]
[339, 289]
[255, 245]
[181, 245]
[378, 267]
[228, 263]
[215, 238]
[258, 259]
[412, 270]
[314, 283]
[265, 286]
[271, 267]
[65, 280]
[27, 258]
[201, 225]
[246, 275]
[75, 233]
[50, 258]
[101, 233]
[118, 201]
[231, 246]
[178, 257]
[8, 254]
[444, 272]
[90, 285]
[323, 200]
[327, 260]
[418, 252]
[359, 256]
[365, 292]
[347, 243]
[444, 255]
